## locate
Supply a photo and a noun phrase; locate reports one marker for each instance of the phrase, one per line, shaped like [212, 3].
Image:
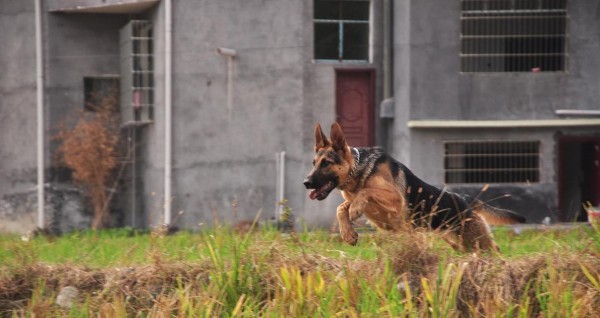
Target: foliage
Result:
[89, 149]
[217, 272]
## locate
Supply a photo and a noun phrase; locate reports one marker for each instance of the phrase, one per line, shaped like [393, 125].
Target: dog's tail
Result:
[497, 216]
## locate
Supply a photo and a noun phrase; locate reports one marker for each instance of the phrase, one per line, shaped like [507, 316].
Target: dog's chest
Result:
[348, 196]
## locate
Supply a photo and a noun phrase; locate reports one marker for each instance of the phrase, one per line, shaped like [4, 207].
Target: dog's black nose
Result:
[308, 183]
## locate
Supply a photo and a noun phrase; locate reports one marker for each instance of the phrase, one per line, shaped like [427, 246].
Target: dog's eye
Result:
[324, 164]
[314, 162]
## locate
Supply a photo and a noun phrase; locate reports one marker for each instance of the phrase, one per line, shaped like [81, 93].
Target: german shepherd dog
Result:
[393, 198]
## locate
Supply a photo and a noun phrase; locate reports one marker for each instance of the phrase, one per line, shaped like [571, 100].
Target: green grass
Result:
[125, 247]
[266, 273]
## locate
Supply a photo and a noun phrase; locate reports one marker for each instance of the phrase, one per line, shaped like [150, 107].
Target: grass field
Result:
[124, 273]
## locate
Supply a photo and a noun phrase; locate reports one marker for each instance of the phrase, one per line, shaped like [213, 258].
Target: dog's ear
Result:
[321, 140]
[338, 140]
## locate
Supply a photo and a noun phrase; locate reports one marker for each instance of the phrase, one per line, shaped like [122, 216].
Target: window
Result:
[137, 71]
[492, 161]
[98, 89]
[341, 30]
[513, 35]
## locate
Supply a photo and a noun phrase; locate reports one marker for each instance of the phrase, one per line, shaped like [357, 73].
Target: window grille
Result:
[492, 161]
[137, 68]
[513, 35]
[341, 30]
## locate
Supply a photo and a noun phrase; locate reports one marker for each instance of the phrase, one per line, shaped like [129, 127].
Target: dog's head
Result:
[331, 164]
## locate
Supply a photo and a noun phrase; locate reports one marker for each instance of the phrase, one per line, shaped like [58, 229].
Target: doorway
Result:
[355, 100]
[579, 176]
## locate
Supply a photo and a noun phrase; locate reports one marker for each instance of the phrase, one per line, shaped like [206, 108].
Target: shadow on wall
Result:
[526, 201]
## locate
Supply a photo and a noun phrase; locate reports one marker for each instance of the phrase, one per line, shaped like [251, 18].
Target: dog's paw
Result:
[349, 235]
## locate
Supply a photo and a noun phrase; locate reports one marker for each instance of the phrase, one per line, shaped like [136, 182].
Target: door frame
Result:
[371, 111]
[561, 169]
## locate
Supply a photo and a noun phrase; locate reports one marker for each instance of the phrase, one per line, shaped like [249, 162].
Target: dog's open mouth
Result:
[322, 192]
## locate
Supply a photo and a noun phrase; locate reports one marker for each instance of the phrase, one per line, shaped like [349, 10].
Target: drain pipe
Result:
[387, 49]
[230, 54]
[386, 111]
[40, 112]
[280, 182]
[168, 113]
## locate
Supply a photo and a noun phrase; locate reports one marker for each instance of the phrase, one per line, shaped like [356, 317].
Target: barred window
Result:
[513, 35]
[137, 71]
[341, 30]
[492, 161]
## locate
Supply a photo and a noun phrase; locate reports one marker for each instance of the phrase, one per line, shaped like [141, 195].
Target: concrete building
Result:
[207, 128]
[499, 73]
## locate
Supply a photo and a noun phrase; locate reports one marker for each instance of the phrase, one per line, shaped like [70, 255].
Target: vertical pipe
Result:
[277, 178]
[282, 176]
[281, 190]
[280, 182]
[168, 113]
[229, 86]
[388, 74]
[132, 145]
[40, 113]
[387, 49]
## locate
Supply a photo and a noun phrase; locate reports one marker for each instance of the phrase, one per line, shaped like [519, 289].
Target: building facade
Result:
[218, 101]
[501, 92]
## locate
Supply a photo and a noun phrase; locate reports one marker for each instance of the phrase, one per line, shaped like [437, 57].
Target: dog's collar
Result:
[353, 170]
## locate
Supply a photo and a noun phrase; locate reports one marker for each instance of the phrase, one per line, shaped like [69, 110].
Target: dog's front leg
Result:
[358, 206]
[347, 231]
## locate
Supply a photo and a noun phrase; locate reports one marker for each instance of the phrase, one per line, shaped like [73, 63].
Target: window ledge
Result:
[436, 124]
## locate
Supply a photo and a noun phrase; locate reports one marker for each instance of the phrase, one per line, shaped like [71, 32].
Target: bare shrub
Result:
[89, 149]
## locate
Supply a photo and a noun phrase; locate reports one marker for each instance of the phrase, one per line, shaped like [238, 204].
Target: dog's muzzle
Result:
[308, 183]
[318, 192]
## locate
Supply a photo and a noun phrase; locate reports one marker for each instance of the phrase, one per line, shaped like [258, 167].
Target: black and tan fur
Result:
[377, 186]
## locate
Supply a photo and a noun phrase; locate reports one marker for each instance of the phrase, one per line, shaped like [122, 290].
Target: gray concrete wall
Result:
[77, 45]
[279, 93]
[429, 85]
[223, 156]
[220, 156]
[74, 46]
[17, 109]
[440, 91]
[319, 106]
[535, 201]
[18, 102]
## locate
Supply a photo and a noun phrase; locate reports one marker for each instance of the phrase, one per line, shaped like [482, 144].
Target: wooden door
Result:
[355, 100]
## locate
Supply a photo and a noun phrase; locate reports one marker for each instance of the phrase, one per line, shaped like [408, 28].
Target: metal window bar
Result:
[513, 35]
[492, 161]
[341, 22]
[341, 36]
[142, 70]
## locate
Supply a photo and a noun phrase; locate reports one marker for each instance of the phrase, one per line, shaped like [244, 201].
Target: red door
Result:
[355, 109]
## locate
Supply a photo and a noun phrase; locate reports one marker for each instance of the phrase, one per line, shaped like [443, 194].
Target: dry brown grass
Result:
[267, 277]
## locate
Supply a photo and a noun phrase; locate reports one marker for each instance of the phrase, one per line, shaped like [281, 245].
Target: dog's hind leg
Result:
[452, 239]
[475, 234]
[347, 231]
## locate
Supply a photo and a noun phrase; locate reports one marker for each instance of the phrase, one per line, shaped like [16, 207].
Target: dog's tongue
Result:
[313, 194]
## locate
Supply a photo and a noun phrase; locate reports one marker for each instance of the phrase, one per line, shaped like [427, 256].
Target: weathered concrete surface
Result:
[66, 210]
[429, 85]
[440, 91]
[226, 153]
[18, 96]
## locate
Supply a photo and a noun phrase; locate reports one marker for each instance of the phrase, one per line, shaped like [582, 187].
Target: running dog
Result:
[374, 184]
